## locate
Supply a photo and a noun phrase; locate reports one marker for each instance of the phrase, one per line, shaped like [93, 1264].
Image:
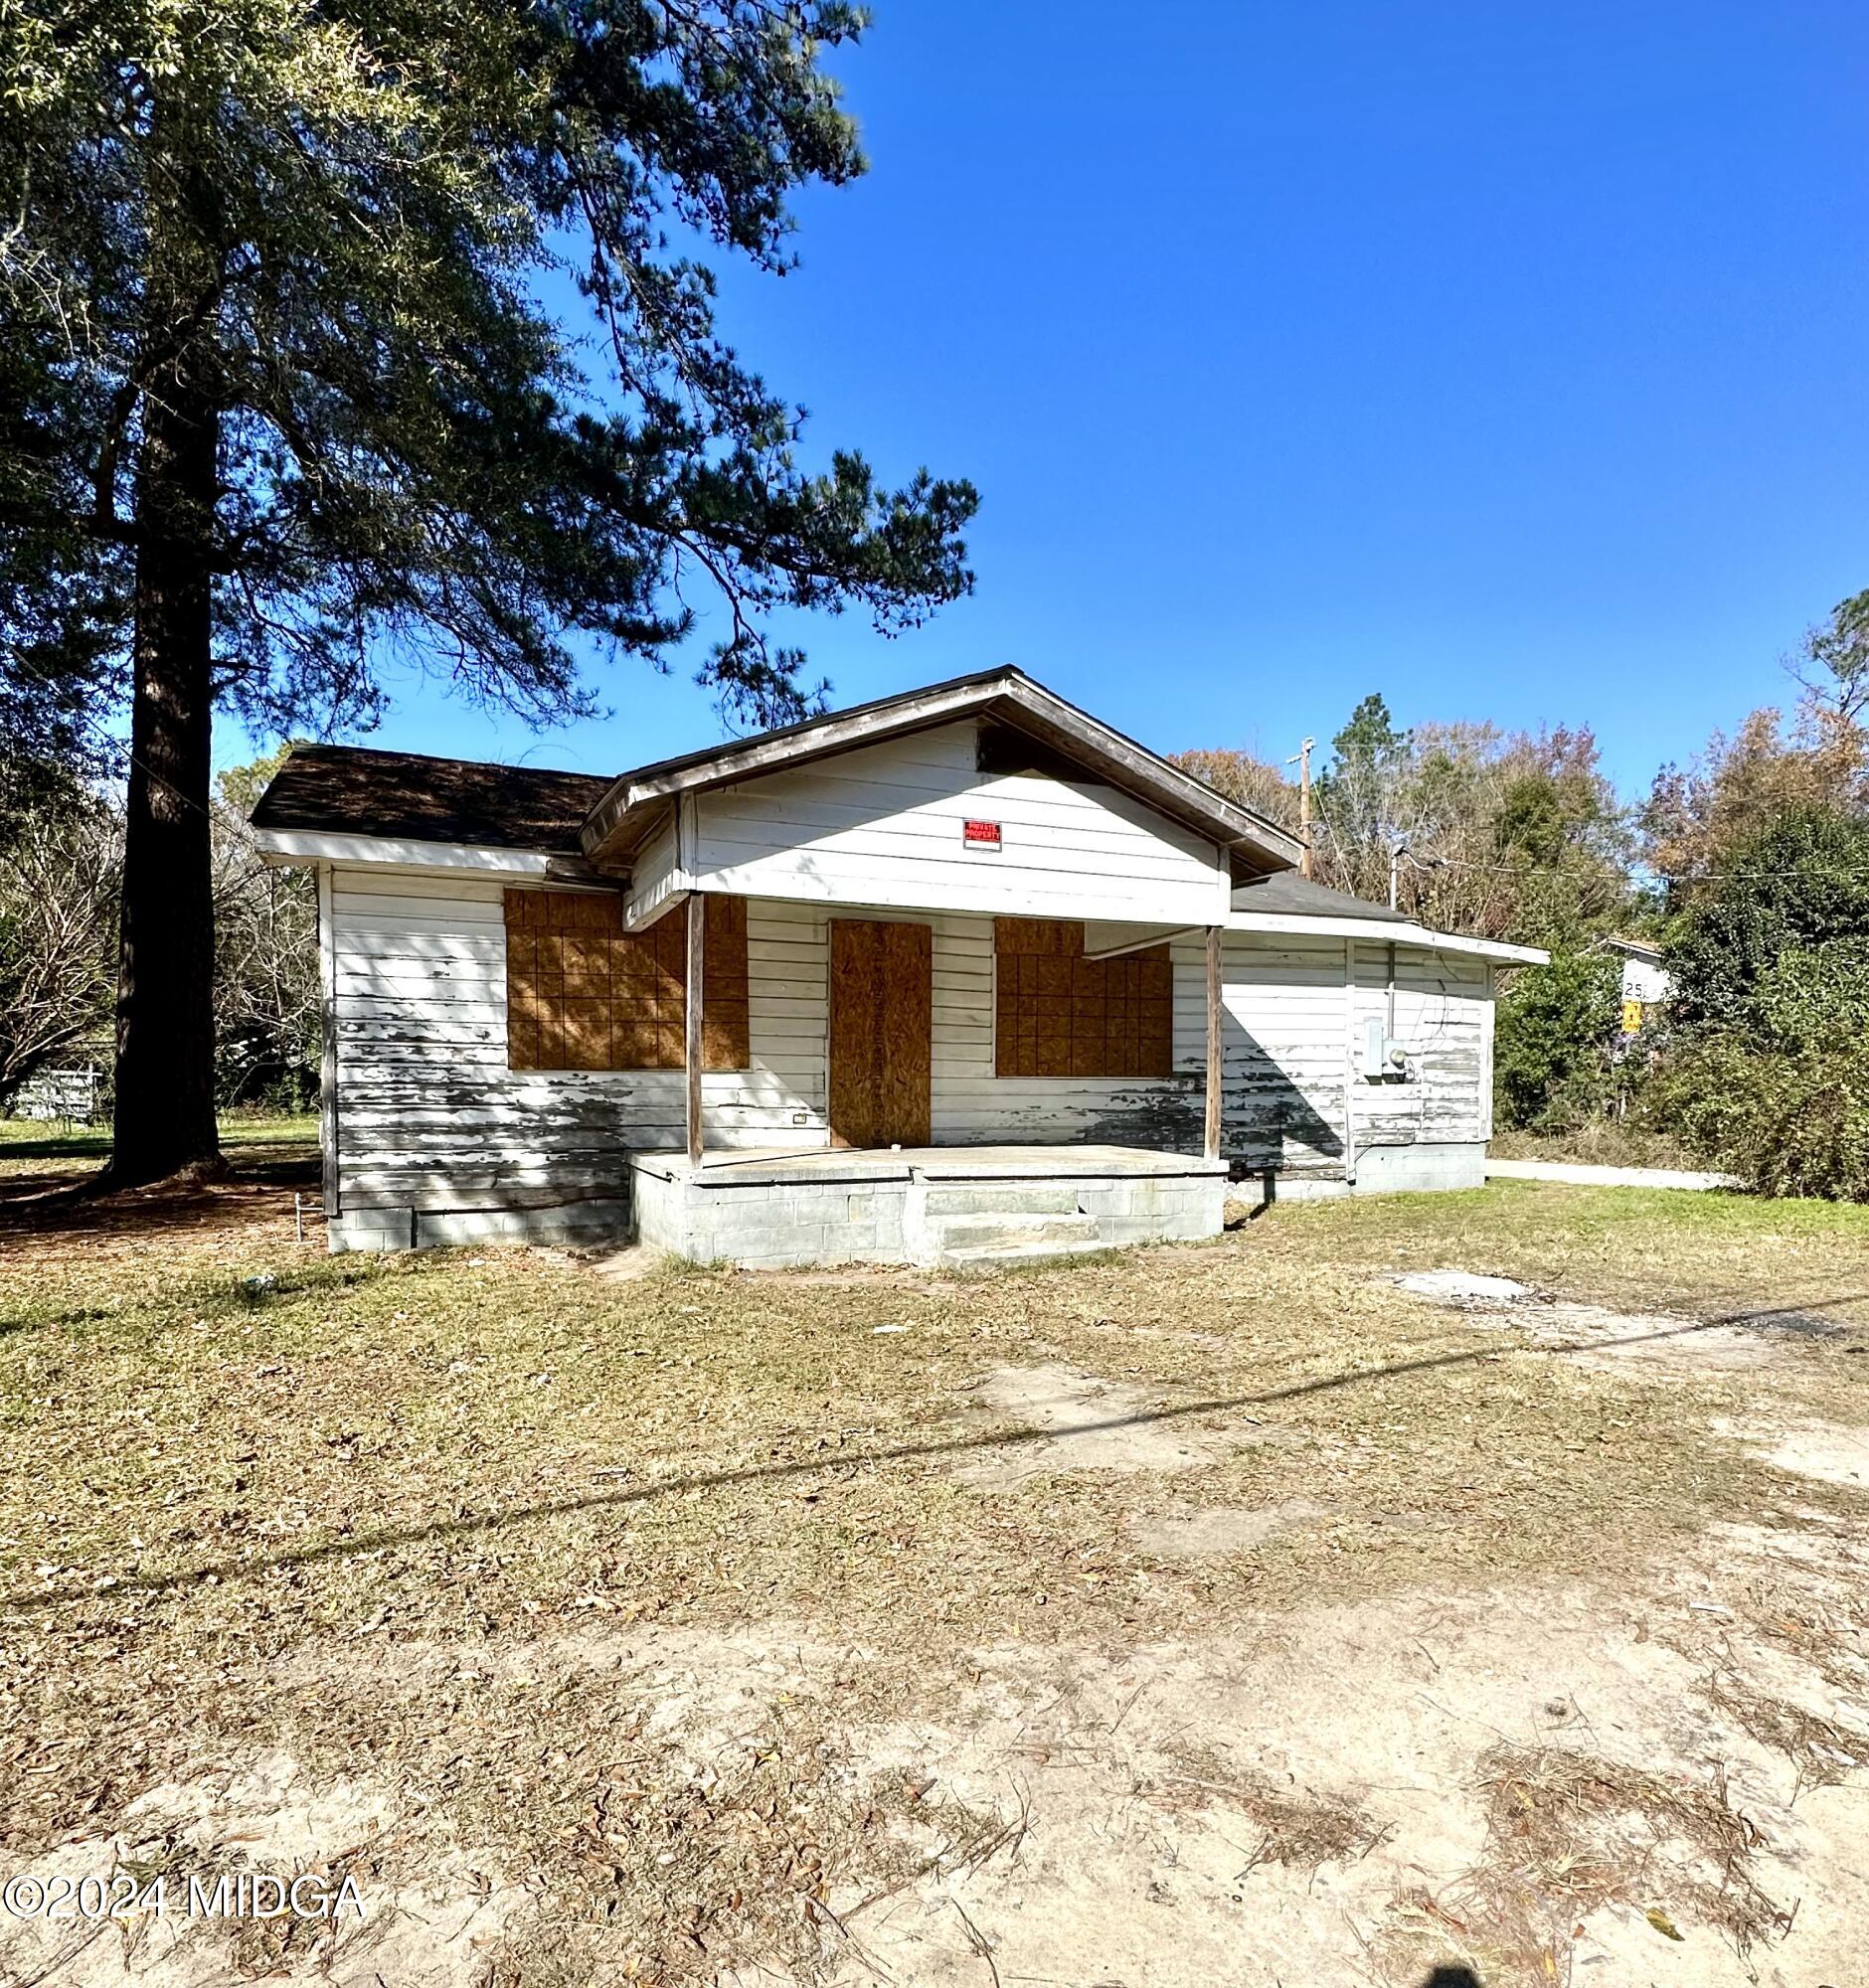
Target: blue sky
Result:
[1509, 361]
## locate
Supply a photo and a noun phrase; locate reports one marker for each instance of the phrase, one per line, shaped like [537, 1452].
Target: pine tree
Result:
[298, 380]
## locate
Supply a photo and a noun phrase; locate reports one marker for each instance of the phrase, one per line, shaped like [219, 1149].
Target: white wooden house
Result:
[956, 973]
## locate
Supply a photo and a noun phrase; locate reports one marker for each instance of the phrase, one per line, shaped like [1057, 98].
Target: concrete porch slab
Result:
[790, 1209]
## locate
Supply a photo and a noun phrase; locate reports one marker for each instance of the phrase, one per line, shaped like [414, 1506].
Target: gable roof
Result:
[639, 798]
[409, 796]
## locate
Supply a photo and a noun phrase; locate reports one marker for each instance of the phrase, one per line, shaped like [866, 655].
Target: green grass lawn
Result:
[29, 1145]
[1640, 1247]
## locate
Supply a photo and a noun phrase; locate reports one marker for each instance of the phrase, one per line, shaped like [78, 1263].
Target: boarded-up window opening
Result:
[581, 993]
[1062, 1015]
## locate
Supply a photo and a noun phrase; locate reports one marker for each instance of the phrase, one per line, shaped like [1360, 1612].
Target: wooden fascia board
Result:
[1147, 776]
[1110, 940]
[1385, 931]
[288, 846]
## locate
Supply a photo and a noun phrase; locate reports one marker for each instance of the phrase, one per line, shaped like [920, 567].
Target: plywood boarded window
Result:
[1062, 1015]
[581, 993]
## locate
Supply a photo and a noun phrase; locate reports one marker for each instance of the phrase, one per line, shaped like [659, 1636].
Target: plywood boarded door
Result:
[882, 1016]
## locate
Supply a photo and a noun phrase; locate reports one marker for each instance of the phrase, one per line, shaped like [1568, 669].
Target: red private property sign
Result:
[981, 834]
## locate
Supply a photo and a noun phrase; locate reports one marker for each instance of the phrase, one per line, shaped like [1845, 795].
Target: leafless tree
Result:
[1503, 834]
[1832, 666]
[60, 856]
[265, 958]
[59, 876]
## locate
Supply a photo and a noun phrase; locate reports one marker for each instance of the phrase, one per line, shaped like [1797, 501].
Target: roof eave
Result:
[1337, 924]
[285, 848]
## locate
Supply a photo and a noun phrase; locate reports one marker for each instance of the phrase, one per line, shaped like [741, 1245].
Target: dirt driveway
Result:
[1426, 1589]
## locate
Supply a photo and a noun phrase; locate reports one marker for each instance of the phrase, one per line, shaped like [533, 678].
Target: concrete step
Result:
[997, 1259]
[1011, 1231]
[1000, 1198]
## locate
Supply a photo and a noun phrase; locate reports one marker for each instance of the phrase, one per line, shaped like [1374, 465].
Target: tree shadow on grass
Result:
[68, 1207]
[623, 1496]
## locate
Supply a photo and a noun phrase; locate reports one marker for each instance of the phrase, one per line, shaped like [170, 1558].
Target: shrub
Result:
[1786, 1121]
[1767, 1075]
[1782, 1098]
[1555, 1031]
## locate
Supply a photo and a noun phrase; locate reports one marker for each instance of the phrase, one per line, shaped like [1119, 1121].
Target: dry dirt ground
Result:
[1440, 1589]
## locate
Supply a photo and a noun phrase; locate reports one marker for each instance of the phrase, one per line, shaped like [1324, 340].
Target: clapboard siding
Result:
[882, 825]
[1443, 1015]
[973, 1106]
[1283, 1047]
[1282, 1095]
[655, 873]
[425, 1113]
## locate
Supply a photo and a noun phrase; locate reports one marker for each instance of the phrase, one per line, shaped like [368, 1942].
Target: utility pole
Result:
[1303, 759]
[1398, 850]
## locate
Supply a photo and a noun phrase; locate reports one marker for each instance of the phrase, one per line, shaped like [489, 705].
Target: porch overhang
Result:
[1109, 939]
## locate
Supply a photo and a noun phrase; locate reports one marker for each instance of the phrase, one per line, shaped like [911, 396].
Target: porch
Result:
[948, 1207]
[892, 1024]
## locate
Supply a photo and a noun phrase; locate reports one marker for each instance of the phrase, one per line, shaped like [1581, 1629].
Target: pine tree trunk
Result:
[165, 994]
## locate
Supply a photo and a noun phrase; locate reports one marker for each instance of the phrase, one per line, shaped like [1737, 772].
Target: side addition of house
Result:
[957, 975]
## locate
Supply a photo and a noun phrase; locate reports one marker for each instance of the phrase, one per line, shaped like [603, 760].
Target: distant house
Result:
[1646, 983]
[69, 1094]
[959, 973]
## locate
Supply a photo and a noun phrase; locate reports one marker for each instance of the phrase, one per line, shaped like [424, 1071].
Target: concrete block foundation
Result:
[953, 1206]
[1428, 1166]
[573, 1223]
[1421, 1168]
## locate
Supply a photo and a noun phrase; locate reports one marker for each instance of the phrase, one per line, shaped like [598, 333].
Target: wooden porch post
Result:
[1215, 1043]
[696, 935]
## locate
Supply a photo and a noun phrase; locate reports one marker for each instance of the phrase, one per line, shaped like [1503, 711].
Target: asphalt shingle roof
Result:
[354, 791]
[1291, 895]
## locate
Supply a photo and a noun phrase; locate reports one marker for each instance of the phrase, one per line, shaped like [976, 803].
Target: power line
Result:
[1665, 876]
[1545, 870]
